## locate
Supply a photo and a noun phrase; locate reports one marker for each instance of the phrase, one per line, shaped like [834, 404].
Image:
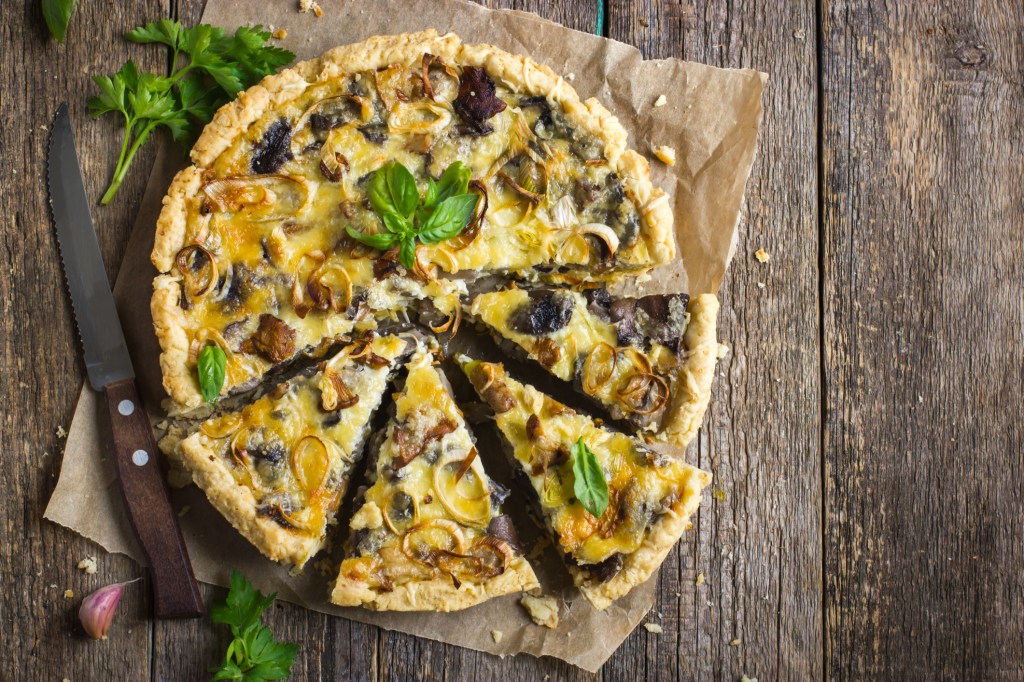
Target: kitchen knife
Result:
[175, 592]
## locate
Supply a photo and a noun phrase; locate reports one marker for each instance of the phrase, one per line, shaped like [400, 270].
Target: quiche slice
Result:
[650, 496]
[649, 361]
[252, 244]
[278, 469]
[429, 534]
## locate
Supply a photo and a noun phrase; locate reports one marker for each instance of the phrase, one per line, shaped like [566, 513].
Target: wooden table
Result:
[866, 429]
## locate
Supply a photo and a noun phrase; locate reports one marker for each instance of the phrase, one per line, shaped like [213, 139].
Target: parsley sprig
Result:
[208, 68]
[253, 655]
[441, 213]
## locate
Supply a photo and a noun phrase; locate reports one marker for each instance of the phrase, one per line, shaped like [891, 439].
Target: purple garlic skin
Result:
[97, 610]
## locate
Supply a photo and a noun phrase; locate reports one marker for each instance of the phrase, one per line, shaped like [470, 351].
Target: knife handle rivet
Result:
[140, 457]
[125, 407]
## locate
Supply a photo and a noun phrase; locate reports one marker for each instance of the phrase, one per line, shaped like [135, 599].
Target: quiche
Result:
[649, 496]
[430, 533]
[254, 243]
[278, 468]
[649, 360]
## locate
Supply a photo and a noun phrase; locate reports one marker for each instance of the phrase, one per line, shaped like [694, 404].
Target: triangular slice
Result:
[430, 534]
[650, 496]
[278, 468]
[648, 360]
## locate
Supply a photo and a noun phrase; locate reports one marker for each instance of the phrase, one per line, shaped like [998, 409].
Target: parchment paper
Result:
[711, 119]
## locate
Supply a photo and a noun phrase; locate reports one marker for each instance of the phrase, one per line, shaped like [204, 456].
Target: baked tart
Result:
[429, 534]
[279, 468]
[613, 506]
[648, 361]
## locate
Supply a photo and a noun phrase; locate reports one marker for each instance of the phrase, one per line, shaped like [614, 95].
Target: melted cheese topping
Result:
[276, 204]
[295, 457]
[418, 508]
[641, 485]
[575, 342]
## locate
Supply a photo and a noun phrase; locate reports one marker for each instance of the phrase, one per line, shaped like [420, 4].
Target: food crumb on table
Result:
[744, 678]
[88, 564]
[653, 628]
[665, 154]
[69, 594]
[718, 494]
[762, 256]
[542, 609]
[496, 635]
[700, 578]
[735, 642]
[61, 433]
[280, 34]
[661, 101]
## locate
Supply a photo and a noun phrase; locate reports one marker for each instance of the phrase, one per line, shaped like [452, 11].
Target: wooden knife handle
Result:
[147, 498]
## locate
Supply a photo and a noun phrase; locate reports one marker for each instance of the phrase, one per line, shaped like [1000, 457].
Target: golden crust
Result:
[169, 323]
[238, 505]
[641, 564]
[437, 594]
[693, 383]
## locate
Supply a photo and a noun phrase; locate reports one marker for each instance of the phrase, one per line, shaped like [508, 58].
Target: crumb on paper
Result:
[280, 34]
[735, 642]
[311, 6]
[762, 256]
[496, 635]
[61, 433]
[69, 594]
[88, 564]
[542, 609]
[718, 494]
[665, 154]
[653, 628]
[661, 101]
[570, 76]
[700, 578]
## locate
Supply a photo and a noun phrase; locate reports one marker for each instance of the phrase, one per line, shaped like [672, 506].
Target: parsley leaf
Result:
[590, 486]
[57, 15]
[208, 68]
[442, 213]
[253, 654]
[212, 365]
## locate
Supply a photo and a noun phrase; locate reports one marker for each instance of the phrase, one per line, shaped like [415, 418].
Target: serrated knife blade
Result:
[146, 497]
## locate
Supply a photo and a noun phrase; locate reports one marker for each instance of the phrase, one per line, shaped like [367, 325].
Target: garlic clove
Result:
[97, 610]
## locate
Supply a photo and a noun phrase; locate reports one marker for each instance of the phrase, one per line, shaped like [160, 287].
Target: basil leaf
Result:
[212, 367]
[454, 181]
[590, 487]
[381, 242]
[407, 256]
[393, 190]
[449, 218]
[57, 14]
[430, 198]
[396, 224]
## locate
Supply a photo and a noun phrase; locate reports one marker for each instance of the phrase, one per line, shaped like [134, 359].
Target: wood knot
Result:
[971, 55]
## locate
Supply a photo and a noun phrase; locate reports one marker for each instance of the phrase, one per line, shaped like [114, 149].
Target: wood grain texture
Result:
[865, 429]
[923, 331]
[759, 547]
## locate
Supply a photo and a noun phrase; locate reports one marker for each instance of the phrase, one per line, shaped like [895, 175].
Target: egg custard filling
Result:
[649, 497]
[429, 532]
[278, 468]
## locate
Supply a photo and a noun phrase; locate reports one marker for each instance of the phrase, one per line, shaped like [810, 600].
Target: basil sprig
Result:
[212, 367]
[590, 486]
[441, 213]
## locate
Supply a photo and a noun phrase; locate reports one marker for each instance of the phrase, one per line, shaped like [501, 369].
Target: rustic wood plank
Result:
[759, 548]
[40, 369]
[923, 220]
